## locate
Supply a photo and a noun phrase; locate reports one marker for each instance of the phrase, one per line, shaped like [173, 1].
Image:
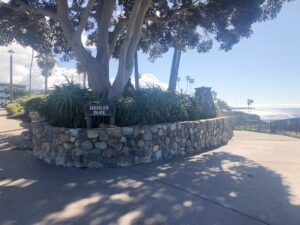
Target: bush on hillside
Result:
[14, 109]
[239, 117]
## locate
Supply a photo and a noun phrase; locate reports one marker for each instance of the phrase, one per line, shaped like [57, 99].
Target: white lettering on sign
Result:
[98, 113]
[99, 107]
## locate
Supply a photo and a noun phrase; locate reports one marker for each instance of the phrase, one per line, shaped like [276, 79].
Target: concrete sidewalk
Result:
[13, 132]
[253, 180]
[11, 124]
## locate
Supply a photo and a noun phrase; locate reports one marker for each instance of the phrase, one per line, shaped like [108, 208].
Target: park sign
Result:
[99, 110]
[91, 109]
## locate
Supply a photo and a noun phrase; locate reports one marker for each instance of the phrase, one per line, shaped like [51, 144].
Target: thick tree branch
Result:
[137, 30]
[129, 44]
[70, 33]
[119, 28]
[84, 17]
[103, 17]
[130, 30]
[63, 18]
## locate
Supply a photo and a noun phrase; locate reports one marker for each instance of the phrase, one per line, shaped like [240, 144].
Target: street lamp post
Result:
[84, 79]
[30, 73]
[11, 52]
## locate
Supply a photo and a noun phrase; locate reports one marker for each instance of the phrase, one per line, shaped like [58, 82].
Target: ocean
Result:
[273, 113]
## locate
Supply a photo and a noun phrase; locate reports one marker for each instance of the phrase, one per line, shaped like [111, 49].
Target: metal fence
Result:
[290, 127]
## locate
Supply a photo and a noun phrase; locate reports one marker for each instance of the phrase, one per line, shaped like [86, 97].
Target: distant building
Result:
[37, 92]
[4, 95]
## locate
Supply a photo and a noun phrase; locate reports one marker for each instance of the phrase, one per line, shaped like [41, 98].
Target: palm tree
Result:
[46, 62]
[249, 103]
[187, 82]
[174, 70]
[192, 81]
[81, 70]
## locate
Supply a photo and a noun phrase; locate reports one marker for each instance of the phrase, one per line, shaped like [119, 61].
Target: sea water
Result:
[273, 113]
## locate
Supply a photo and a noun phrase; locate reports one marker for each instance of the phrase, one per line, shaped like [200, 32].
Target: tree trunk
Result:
[98, 68]
[98, 77]
[121, 80]
[136, 71]
[174, 70]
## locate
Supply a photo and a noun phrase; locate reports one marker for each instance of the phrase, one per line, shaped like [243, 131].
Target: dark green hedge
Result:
[64, 107]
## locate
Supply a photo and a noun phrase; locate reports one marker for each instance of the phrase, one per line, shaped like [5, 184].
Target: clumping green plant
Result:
[14, 109]
[153, 105]
[37, 103]
[21, 101]
[65, 105]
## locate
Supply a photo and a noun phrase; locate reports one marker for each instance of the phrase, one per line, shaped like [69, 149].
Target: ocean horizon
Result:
[272, 112]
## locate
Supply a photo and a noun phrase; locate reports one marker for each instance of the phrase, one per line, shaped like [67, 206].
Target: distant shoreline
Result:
[237, 108]
[270, 113]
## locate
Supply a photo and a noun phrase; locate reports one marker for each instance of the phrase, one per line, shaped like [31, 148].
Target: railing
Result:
[290, 127]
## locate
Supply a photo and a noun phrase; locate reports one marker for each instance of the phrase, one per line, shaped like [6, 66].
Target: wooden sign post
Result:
[92, 110]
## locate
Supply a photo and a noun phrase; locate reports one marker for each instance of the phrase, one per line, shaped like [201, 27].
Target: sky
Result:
[264, 67]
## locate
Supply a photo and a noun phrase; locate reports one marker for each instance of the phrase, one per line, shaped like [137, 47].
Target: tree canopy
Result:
[116, 28]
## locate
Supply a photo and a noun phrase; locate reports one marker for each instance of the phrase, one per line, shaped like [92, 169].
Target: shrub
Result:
[183, 107]
[65, 105]
[37, 103]
[153, 105]
[21, 101]
[14, 109]
[195, 111]
[145, 106]
[239, 117]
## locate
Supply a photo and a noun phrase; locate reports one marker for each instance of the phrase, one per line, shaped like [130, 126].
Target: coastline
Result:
[270, 113]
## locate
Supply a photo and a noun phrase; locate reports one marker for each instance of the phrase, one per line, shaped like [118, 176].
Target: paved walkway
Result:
[10, 124]
[13, 132]
[254, 180]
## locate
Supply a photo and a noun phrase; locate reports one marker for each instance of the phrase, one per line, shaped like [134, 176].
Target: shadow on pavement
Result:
[23, 119]
[14, 132]
[218, 188]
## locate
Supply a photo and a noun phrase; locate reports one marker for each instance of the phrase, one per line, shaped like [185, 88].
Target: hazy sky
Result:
[265, 67]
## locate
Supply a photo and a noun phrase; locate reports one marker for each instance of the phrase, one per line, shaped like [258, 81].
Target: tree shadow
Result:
[211, 189]
[14, 132]
[15, 141]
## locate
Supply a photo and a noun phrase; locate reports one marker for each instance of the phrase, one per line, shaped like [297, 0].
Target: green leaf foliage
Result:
[37, 103]
[153, 106]
[64, 107]
[14, 109]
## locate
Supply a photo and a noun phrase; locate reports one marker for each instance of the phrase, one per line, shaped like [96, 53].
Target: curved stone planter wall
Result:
[124, 146]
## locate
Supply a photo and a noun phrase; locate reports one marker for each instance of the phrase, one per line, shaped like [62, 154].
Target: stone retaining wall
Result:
[124, 146]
